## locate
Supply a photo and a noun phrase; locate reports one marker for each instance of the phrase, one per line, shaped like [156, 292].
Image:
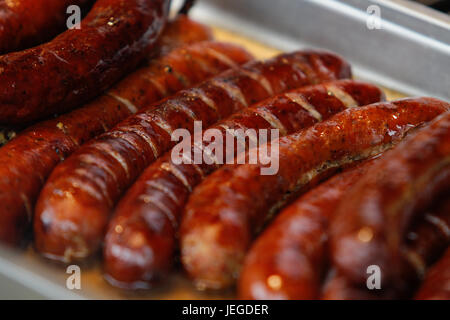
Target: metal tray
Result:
[409, 55]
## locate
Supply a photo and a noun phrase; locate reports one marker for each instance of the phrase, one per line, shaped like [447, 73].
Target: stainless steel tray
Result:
[410, 54]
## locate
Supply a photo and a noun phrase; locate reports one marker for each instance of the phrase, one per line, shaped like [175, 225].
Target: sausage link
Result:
[427, 240]
[215, 234]
[79, 64]
[371, 222]
[289, 259]
[25, 23]
[33, 154]
[436, 285]
[81, 194]
[159, 196]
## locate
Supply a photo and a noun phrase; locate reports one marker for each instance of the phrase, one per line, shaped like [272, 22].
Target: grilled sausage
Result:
[25, 23]
[426, 241]
[33, 154]
[436, 285]
[74, 206]
[226, 210]
[79, 64]
[288, 260]
[159, 196]
[383, 204]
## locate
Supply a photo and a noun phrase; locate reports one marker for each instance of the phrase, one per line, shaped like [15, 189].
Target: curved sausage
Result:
[436, 285]
[74, 206]
[79, 64]
[215, 234]
[33, 154]
[427, 240]
[25, 23]
[289, 259]
[136, 215]
[371, 223]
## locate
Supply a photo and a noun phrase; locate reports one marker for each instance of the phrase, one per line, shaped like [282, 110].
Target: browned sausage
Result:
[79, 64]
[159, 196]
[371, 222]
[288, 260]
[74, 206]
[33, 154]
[436, 285]
[426, 241]
[25, 23]
[226, 210]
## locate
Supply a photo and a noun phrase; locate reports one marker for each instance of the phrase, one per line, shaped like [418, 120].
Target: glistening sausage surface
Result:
[75, 205]
[24, 23]
[231, 205]
[289, 259]
[79, 64]
[31, 156]
[159, 195]
[371, 223]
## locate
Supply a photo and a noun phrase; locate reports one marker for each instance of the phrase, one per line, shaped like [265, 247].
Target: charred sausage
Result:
[289, 259]
[79, 64]
[25, 23]
[384, 203]
[136, 213]
[74, 206]
[33, 154]
[231, 205]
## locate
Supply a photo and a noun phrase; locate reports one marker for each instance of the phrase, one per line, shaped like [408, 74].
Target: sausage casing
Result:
[79, 64]
[33, 154]
[159, 196]
[82, 193]
[371, 222]
[215, 235]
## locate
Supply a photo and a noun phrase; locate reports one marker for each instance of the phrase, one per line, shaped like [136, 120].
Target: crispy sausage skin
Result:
[225, 211]
[289, 259]
[159, 196]
[33, 154]
[426, 241]
[370, 225]
[75, 205]
[25, 23]
[436, 285]
[79, 64]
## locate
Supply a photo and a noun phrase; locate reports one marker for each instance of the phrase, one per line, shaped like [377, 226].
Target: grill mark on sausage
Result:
[346, 98]
[299, 99]
[177, 174]
[158, 186]
[127, 103]
[271, 119]
[439, 223]
[197, 93]
[178, 106]
[221, 57]
[106, 148]
[160, 205]
[85, 173]
[260, 79]
[91, 160]
[233, 91]
[146, 137]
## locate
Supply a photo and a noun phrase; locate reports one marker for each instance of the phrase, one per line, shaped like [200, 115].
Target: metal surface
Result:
[410, 53]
